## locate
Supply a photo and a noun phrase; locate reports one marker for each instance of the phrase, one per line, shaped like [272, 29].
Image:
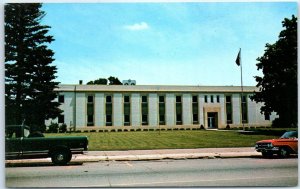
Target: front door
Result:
[212, 120]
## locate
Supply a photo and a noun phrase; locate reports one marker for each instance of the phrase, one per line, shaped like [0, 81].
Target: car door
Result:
[13, 143]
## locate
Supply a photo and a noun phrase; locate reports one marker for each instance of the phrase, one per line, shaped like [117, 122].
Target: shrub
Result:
[63, 128]
[53, 128]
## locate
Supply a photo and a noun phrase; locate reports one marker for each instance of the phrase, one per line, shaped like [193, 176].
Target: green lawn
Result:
[167, 139]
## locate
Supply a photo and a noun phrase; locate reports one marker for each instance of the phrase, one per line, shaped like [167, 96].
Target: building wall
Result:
[75, 110]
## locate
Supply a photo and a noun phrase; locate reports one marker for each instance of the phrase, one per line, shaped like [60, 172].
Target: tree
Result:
[278, 86]
[100, 81]
[29, 75]
[114, 81]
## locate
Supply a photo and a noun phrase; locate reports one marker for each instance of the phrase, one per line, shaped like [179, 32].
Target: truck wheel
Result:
[283, 152]
[61, 157]
[267, 154]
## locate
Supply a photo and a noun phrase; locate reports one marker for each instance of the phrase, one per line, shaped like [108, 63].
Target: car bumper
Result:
[273, 149]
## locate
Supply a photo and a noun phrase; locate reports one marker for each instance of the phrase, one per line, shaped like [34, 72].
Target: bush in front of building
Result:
[53, 128]
[63, 128]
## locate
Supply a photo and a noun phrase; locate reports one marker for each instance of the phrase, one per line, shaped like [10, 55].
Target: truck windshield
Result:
[290, 134]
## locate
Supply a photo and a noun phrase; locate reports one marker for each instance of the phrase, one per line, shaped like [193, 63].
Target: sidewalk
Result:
[135, 155]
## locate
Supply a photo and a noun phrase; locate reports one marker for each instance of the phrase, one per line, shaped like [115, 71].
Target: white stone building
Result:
[151, 107]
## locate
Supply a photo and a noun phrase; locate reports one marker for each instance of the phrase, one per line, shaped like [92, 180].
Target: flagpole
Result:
[238, 61]
[242, 89]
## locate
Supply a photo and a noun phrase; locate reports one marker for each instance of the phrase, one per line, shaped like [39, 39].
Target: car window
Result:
[26, 132]
[13, 134]
[291, 134]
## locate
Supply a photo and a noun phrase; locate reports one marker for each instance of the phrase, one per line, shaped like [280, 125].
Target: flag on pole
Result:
[238, 59]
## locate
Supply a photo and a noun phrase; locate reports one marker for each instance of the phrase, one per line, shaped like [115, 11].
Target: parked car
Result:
[20, 144]
[284, 146]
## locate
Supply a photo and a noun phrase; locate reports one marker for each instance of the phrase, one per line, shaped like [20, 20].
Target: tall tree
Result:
[100, 81]
[29, 75]
[278, 86]
[114, 81]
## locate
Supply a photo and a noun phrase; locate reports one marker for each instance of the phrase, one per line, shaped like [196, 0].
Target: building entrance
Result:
[212, 120]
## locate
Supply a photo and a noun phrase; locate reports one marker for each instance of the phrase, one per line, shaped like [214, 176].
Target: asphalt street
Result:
[159, 173]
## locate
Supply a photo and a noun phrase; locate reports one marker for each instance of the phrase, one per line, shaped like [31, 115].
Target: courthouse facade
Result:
[151, 107]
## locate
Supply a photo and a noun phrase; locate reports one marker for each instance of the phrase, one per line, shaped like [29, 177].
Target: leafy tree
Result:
[114, 81]
[278, 86]
[100, 81]
[29, 74]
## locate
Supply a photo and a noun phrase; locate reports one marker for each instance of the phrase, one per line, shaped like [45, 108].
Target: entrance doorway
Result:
[212, 120]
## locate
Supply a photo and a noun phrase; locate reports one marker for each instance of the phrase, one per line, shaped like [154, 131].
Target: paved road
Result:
[170, 173]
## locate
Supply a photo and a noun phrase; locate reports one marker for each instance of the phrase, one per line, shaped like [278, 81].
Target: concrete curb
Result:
[143, 157]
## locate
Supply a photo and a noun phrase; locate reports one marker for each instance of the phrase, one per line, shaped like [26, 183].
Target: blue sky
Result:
[192, 43]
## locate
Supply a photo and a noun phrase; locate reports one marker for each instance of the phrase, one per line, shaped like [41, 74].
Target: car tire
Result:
[284, 152]
[61, 157]
[267, 154]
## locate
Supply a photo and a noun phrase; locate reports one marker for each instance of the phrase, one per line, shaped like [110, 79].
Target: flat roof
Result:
[153, 88]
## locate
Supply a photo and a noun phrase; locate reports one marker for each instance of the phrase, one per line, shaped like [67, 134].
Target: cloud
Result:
[137, 26]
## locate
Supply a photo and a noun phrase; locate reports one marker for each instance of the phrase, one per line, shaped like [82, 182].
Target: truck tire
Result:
[61, 157]
[267, 154]
[284, 152]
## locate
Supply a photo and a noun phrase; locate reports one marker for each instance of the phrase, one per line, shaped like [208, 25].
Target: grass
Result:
[167, 139]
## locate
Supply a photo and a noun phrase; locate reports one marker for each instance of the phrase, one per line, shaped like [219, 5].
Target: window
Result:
[144, 99]
[108, 110]
[244, 108]
[195, 110]
[90, 99]
[90, 120]
[108, 99]
[161, 99]
[126, 110]
[90, 110]
[228, 109]
[267, 116]
[61, 119]
[126, 99]
[162, 110]
[144, 119]
[178, 99]
[218, 99]
[195, 99]
[205, 98]
[144, 110]
[61, 98]
[212, 99]
[178, 110]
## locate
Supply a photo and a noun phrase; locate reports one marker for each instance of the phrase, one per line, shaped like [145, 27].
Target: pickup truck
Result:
[20, 144]
[284, 146]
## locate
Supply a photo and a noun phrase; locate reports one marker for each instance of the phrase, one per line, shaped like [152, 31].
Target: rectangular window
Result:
[161, 99]
[126, 110]
[90, 110]
[162, 110]
[218, 99]
[212, 99]
[108, 110]
[61, 119]
[205, 98]
[90, 99]
[178, 110]
[267, 116]
[61, 98]
[144, 110]
[195, 110]
[228, 109]
[244, 109]
[178, 99]
[195, 99]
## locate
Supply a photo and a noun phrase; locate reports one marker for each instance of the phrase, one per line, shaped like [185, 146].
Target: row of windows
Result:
[90, 99]
[162, 109]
